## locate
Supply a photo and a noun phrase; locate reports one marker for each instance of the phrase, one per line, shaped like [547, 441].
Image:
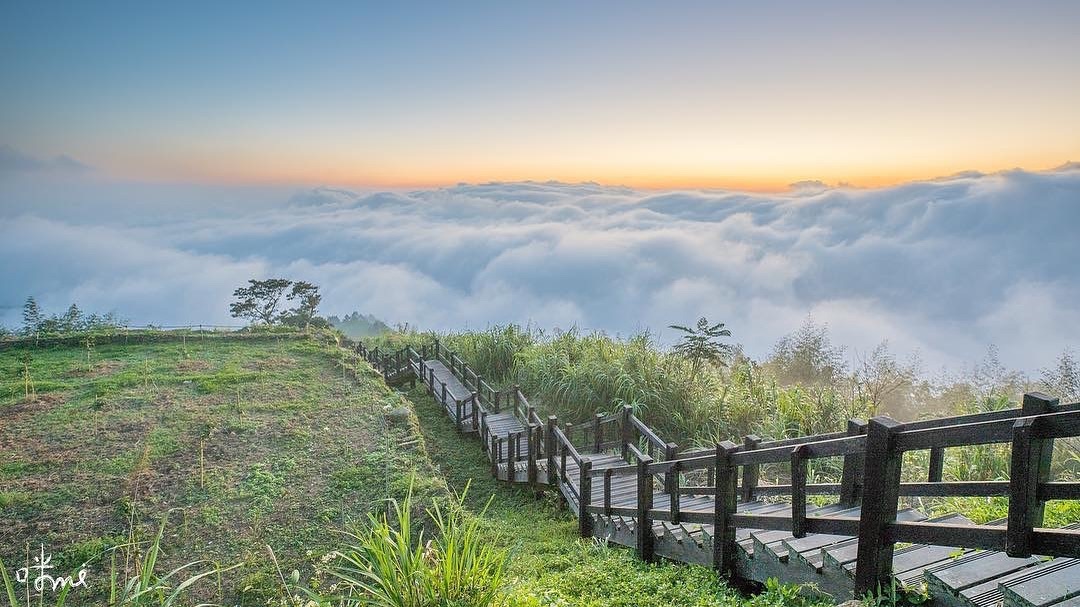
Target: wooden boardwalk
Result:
[630, 487]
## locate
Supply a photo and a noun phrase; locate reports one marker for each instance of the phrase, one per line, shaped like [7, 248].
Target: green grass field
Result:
[259, 445]
[277, 444]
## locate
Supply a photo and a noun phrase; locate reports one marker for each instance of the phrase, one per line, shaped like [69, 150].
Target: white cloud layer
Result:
[944, 267]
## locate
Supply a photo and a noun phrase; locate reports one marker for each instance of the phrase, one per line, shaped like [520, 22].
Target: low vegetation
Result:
[271, 467]
[259, 444]
[703, 391]
[279, 471]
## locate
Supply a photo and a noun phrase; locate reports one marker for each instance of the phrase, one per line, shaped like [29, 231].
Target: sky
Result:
[403, 94]
[900, 171]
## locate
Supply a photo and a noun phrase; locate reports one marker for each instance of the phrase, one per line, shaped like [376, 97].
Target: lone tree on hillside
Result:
[32, 317]
[259, 301]
[304, 313]
[702, 345]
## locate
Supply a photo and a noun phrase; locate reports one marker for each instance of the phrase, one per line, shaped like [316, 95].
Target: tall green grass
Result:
[394, 564]
[804, 388]
[574, 375]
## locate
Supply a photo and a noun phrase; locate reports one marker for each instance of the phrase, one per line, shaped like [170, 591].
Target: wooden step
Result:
[1045, 585]
[991, 592]
[808, 550]
[845, 553]
[951, 578]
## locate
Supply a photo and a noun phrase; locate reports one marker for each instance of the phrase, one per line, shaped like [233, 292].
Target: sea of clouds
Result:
[943, 267]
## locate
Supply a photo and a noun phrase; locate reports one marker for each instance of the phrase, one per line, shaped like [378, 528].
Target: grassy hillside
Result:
[259, 444]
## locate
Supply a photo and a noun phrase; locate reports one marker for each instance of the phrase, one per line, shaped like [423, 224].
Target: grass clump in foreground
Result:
[389, 564]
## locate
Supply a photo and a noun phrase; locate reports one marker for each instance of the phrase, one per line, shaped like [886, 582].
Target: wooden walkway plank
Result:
[1049, 586]
[992, 592]
[454, 388]
[974, 569]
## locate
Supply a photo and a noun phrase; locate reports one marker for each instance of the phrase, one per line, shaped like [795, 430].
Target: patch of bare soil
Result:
[273, 363]
[100, 368]
[192, 364]
[34, 404]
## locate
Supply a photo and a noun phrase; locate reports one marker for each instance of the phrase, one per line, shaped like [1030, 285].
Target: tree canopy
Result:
[260, 299]
[702, 345]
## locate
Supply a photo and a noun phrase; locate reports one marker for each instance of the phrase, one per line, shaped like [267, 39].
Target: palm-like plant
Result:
[701, 344]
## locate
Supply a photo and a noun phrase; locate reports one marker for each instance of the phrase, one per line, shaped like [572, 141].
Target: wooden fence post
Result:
[494, 453]
[879, 505]
[627, 430]
[751, 472]
[643, 528]
[549, 447]
[598, 436]
[671, 478]
[564, 476]
[585, 522]
[511, 457]
[1037, 403]
[724, 547]
[1030, 466]
[483, 430]
[798, 490]
[937, 465]
[475, 406]
[851, 481]
[671, 482]
[534, 447]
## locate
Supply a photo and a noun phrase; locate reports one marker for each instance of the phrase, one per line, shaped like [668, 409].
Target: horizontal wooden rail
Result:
[565, 444]
[827, 448]
[647, 432]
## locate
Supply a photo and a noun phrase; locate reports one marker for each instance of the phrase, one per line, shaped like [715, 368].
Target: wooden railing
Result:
[1029, 430]
[872, 455]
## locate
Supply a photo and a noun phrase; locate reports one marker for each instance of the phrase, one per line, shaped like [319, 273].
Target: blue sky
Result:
[406, 94]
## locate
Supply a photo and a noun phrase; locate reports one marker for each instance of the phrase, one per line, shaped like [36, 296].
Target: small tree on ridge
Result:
[308, 298]
[702, 344]
[259, 301]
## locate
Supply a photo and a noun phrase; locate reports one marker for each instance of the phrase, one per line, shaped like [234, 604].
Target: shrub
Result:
[391, 564]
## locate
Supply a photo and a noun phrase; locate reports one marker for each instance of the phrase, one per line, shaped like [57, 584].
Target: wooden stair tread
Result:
[1046, 584]
[991, 592]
